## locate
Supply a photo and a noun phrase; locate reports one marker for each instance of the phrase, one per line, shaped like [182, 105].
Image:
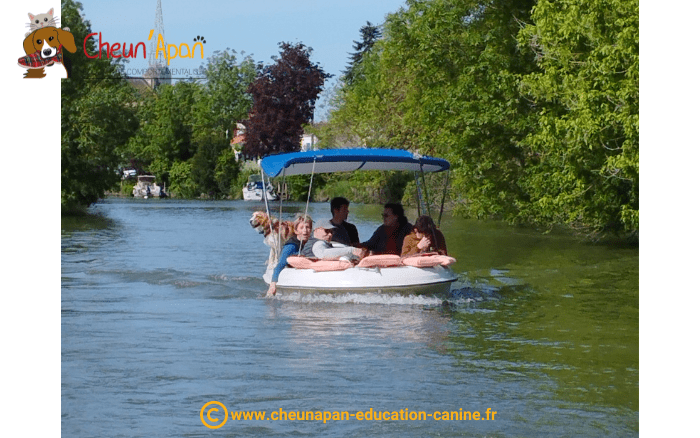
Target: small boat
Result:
[432, 276]
[146, 187]
[434, 280]
[253, 190]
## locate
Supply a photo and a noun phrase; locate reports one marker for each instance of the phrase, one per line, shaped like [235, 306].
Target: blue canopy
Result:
[350, 160]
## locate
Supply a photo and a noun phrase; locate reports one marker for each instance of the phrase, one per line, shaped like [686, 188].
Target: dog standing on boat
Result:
[273, 231]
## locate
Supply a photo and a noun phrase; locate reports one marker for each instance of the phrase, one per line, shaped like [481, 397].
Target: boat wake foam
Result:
[363, 298]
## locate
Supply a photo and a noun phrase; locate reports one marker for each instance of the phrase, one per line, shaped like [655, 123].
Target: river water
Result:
[162, 312]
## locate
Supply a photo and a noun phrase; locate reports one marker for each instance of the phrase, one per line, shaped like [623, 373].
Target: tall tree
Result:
[284, 96]
[226, 86]
[167, 128]
[464, 99]
[536, 105]
[587, 94]
[98, 117]
[370, 34]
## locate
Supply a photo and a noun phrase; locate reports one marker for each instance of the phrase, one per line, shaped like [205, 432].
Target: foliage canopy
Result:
[97, 118]
[370, 34]
[284, 96]
[535, 103]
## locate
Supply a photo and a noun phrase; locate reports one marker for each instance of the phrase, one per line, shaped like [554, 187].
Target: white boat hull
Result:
[142, 191]
[400, 279]
[257, 195]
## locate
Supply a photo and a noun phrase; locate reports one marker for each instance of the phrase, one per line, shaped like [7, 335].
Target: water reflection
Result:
[321, 319]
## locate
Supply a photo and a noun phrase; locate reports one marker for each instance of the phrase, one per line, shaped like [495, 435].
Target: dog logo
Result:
[44, 52]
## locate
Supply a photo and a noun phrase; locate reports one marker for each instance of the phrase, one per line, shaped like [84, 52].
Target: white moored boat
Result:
[254, 189]
[146, 187]
[401, 278]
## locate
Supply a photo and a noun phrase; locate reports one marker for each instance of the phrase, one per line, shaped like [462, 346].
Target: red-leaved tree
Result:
[284, 97]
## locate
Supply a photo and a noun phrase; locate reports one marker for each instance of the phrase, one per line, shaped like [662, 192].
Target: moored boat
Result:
[254, 189]
[146, 187]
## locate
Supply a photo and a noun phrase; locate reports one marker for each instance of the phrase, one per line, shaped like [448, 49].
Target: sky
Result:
[256, 27]
[249, 27]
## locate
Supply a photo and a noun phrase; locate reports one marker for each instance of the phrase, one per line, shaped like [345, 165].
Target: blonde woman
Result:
[302, 232]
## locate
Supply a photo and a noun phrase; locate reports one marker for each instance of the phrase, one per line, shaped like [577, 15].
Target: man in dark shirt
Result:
[345, 232]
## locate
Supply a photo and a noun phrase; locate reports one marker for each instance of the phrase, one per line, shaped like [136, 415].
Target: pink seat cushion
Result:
[318, 265]
[380, 261]
[428, 260]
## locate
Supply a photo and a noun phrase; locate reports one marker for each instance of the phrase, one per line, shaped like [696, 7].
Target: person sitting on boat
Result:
[320, 247]
[388, 238]
[302, 233]
[425, 237]
[345, 233]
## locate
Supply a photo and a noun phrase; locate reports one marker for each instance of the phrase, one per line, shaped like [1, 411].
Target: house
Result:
[308, 142]
[238, 140]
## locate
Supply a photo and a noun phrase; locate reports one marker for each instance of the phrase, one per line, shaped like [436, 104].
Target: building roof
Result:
[238, 139]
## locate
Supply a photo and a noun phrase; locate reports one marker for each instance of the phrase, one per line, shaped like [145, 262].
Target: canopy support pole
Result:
[279, 235]
[419, 195]
[267, 207]
[308, 197]
[427, 195]
[444, 194]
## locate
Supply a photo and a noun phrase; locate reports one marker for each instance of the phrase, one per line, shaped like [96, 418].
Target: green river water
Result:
[162, 311]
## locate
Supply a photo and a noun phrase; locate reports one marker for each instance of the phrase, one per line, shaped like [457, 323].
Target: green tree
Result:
[463, 99]
[226, 173]
[227, 82]
[373, 111]
[540, 121]
[97, 119]
[587, 93]
[181, 181]
[370, 34]
[445, 80]
[167, 128]
[205, 162]
[224, 102]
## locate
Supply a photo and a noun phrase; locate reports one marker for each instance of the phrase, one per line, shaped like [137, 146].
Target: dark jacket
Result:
[346, 233]
[308, 249]
[379, 241]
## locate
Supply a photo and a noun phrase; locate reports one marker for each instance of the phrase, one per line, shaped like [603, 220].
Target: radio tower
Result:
[158, 72]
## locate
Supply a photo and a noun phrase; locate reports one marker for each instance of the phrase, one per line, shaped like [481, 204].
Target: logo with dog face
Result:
[44, 46]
